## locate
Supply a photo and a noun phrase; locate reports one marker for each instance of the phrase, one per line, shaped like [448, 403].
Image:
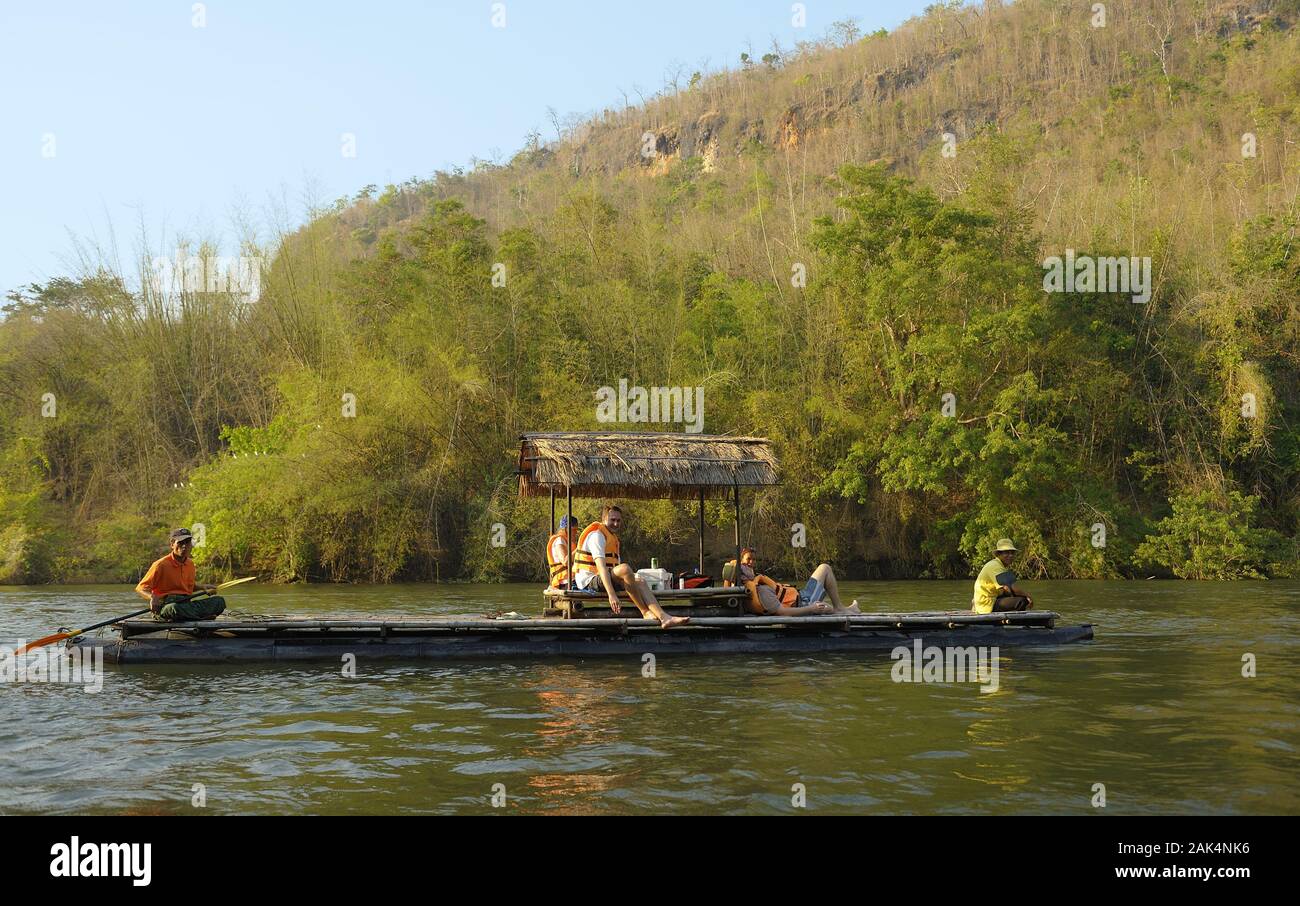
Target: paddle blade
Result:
[41, 643]
[237, 582]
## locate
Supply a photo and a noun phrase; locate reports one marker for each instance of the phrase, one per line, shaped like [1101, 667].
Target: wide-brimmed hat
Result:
[1005, 545]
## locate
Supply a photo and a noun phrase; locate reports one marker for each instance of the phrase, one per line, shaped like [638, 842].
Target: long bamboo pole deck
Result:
[466, 624]
[283, 639]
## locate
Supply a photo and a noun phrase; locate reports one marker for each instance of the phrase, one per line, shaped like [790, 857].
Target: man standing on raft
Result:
[597, 566]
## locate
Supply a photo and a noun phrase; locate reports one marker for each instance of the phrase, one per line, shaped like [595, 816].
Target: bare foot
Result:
[674, 621]
[852, 608]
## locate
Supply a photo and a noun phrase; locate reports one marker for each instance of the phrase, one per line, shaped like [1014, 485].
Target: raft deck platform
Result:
[476, 638]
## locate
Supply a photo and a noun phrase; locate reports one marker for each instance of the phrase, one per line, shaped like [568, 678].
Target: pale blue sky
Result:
[153, 121]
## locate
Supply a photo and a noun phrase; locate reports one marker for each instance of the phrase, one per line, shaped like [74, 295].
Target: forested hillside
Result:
[842, 242]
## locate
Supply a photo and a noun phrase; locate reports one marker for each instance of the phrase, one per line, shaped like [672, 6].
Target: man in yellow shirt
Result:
[995, 588]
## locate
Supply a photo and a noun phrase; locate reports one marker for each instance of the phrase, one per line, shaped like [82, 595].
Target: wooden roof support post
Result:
[552, 509]
[736, 488]
[568, 495]
[701, 531]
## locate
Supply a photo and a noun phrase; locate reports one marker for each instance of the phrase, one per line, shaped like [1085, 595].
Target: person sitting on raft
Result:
[995, 588]
[768, 597]
[557, 553]
[170, 581]
[597, 566]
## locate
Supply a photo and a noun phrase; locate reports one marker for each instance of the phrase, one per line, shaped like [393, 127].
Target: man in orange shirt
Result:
[170, 581]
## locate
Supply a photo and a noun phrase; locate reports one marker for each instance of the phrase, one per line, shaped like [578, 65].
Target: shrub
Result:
[1211, 535]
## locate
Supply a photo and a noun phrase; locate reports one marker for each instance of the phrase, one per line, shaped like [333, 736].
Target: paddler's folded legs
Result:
[179, 610]
[644, 598]
[1011, 603]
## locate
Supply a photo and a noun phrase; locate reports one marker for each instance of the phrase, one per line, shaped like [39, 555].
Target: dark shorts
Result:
[599, 586]
[1009, 603]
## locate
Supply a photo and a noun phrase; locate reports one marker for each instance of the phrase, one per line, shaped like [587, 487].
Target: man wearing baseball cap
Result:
[169, 583]
[995, 588]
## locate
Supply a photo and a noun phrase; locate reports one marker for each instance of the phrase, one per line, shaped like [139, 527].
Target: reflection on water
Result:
[581, 718]
[1156, 709]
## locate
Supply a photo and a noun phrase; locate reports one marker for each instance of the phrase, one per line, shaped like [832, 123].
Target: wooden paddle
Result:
[60, 636]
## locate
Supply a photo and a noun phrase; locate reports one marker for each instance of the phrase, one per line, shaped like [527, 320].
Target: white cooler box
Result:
[658, 579]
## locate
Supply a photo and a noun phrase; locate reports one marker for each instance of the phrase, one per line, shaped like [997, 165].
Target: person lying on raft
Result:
[557, 553]
[770, 598]
[170, 581]
[597, 566]
[995, 586]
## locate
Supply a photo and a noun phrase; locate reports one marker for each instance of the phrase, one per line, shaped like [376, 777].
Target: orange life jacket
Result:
[582, 558]
[559, 568]
[786, 596]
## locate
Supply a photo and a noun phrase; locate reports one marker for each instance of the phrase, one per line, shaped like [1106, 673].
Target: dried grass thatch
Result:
[643, 466]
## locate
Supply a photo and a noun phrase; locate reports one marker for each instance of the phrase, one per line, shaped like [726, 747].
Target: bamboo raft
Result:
[577, 624]
[476, 638]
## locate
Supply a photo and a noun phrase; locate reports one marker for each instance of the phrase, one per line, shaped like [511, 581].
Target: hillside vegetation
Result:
[842, 243]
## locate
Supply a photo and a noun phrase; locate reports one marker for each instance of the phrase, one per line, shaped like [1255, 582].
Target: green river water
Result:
[1156, 709]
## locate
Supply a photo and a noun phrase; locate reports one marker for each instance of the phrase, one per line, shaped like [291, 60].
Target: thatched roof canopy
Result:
[643, 465]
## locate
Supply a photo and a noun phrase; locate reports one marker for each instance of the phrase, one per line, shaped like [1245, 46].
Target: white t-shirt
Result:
[594, 545]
